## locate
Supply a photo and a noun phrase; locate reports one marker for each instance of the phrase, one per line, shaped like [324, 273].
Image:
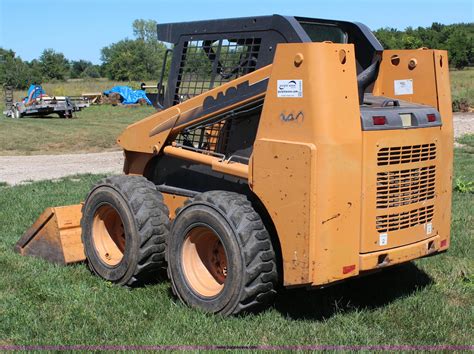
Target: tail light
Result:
[431, 117]
[379, 120]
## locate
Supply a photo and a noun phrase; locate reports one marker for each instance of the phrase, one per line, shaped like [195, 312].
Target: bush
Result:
[460, 104]
[463, 186]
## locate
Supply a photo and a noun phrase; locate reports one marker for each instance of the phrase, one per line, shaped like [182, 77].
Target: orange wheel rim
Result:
[204, 261]
[108, 235]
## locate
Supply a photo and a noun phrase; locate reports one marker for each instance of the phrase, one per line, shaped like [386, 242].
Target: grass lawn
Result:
[428, 302]
[94, 130]
[462, 85]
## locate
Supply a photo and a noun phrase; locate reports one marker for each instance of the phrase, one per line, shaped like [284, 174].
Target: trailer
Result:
[38, 104]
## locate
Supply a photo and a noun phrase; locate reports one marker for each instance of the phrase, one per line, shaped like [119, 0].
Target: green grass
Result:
[467, 140]
[94, 130]
[428, 302]
[462, 85]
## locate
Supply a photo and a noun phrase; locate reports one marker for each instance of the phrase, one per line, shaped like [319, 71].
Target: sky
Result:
[80, 28]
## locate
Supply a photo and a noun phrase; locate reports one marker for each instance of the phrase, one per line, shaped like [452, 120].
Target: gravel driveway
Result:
[17, 169]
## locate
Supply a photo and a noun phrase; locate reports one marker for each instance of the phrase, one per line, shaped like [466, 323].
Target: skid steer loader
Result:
[287, 151]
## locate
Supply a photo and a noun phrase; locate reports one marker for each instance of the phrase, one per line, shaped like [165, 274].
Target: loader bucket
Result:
[55, 236]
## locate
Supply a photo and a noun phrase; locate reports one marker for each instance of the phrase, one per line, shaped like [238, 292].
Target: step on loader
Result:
[287, 151]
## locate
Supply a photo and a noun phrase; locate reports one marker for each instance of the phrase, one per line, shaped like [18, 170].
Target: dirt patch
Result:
[18, 169]
[463, 124]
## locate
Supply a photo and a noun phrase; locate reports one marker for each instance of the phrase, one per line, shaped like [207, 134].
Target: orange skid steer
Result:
[287, 151]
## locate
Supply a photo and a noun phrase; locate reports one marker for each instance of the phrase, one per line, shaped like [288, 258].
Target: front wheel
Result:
[124, 229]
[220, 256]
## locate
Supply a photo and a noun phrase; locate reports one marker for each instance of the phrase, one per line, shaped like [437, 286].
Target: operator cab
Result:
[207, 54]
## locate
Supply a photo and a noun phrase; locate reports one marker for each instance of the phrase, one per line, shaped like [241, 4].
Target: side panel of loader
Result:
[313, 198]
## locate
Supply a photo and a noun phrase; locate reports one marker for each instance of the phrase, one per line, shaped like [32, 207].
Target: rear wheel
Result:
[220, 256]
[124, 229]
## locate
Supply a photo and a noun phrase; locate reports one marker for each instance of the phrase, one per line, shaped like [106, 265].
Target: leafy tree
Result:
[92, 71]
[14, 71]
[458, 39]
[460, 48]
[138, 59]
[145, 30]
[78, 67]
[124, 60]
[53, 65]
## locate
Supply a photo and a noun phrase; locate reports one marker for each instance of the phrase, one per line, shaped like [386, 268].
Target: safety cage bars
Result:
[206, 64]
[228, 136]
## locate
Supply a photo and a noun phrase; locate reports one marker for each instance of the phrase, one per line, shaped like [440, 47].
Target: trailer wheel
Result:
[220, 256]
[124, 229]
[15, 113]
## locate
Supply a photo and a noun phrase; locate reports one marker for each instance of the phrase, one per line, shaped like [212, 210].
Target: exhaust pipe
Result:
[366, 78]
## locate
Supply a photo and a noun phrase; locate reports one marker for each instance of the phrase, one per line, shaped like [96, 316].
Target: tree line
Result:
[141, 58]
[457, 39]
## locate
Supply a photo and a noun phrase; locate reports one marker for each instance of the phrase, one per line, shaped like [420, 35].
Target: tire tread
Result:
[151, 218]
[261, 275]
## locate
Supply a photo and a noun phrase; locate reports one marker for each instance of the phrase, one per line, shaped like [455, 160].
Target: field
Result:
[95, 130]
[462, 85]
[428, 302]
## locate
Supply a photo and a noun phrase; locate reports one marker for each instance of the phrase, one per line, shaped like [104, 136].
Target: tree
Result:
[138, 59]
[78, 67]
[145, 30]
[460, 48]
[53, 65]
[457, 39]
[92, 71]
[14, 71]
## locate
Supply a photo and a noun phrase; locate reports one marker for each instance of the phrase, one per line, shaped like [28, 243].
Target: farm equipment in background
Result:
[39, 104]
[290, 152]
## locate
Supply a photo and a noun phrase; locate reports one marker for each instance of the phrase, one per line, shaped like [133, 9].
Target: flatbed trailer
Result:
[64, 106]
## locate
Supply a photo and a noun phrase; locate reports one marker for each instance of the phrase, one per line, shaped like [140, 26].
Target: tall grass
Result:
[462, 86]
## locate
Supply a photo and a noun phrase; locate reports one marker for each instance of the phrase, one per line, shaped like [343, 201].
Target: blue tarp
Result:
[129, 96]
[35, 91]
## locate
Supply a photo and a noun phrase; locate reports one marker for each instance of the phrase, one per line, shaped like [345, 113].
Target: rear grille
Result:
[397, 188]
[393, 222]
[406, 154]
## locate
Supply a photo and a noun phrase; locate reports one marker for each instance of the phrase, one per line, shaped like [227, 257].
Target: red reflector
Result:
[444, 243]
[348, 269]
[379, 120]
[431, 117]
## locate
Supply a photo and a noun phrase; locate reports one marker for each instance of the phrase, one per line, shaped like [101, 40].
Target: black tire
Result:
[124, 229]
[250, 276]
